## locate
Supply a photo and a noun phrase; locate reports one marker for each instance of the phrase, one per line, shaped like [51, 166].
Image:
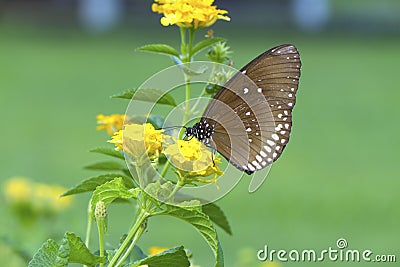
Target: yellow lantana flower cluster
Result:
[193, 159]
[38, 197]
[111, 124]
[194, 14]
[137, 140]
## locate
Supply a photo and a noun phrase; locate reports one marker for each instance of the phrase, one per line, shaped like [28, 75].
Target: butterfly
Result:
[249, 120]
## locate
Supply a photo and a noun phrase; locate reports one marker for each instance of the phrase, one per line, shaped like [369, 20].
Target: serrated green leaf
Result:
[106, 166]
[109, 151]
[217, 216]
[160, 191]
[79, 253]
[91, 183]
[63, 254]
[148, 95]
[171, 257]
[204, 44]
[203, 224]
[46, 255]
[110, 191]
[159, 49]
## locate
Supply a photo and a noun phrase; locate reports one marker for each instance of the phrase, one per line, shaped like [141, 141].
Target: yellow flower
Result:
[188, 13]
[110, 123]
[156, 250]
[137, 140]
[193, 159]
[116, 139]
[38, 196]
[18, 189]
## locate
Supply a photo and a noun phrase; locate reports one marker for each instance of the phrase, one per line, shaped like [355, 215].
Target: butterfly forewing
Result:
[256, 130]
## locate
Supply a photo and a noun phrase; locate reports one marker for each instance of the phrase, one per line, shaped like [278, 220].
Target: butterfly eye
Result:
[266, 124]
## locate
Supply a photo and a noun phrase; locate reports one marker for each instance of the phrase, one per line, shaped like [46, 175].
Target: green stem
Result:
[165, 169]
[183, 45]
[191, 38]
[176, 189]
[187, 99]
[133, 243]
[139, 174]
[203, 92]
[101, 228]
[140, 219]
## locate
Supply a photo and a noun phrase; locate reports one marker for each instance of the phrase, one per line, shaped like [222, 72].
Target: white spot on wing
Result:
[268, 149]
[270, 142]
[251, 167]
[245, 90]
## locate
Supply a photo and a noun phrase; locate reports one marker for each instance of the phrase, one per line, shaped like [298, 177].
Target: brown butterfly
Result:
[249, 120]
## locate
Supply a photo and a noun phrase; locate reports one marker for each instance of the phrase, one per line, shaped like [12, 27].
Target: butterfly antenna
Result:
[173, 127]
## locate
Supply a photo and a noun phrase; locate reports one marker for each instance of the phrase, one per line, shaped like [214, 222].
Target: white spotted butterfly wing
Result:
[262, 102]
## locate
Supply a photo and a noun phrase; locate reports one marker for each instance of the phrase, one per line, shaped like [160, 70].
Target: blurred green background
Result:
[337, 178]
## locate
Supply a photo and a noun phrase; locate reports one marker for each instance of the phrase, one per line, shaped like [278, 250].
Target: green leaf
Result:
[159, 49]
[79, 253]
[217, 216]
[204, 44]
[156, 120]
[46, 255]
[160, 191]
[91, 183]
[171, 257]
[203, 224]
[149, 95]
[106, 166]
[109, 151]
[110, 191]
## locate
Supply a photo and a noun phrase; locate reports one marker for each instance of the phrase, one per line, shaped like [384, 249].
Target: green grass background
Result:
[338, 177]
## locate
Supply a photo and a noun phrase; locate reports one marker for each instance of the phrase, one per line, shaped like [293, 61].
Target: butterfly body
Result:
[249, 120]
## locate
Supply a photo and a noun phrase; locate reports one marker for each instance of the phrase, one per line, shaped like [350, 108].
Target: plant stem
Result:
[187, 99]
[141, 217]
[165, 169]
[139, 174]
[191, 38]
[101, 229]
[134, 241]
[176, 189]
[183, 45]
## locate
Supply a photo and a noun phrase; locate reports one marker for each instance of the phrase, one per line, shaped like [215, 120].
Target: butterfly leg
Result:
[210, 144]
